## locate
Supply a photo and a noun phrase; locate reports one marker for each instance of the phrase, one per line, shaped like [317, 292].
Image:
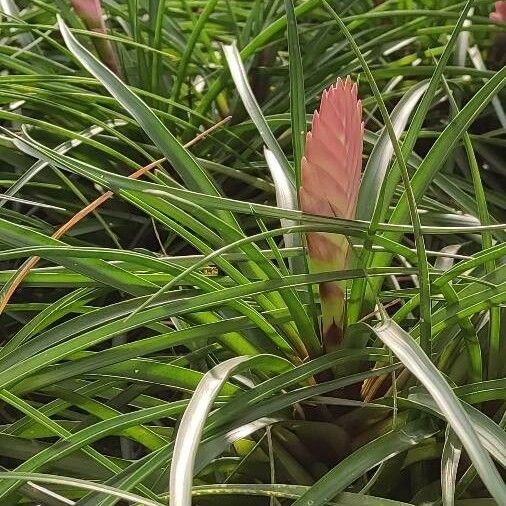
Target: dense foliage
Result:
[167, 341]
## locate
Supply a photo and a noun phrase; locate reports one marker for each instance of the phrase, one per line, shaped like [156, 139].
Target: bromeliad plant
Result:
[168, 344]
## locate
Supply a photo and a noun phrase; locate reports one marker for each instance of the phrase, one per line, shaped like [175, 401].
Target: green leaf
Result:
[183, 162]
[363, 459]
[449, 465]
[248, 99]
[283, 491]
[404, 346]
[376, 169]
[195, 416]
[79, 484]
[297, 98]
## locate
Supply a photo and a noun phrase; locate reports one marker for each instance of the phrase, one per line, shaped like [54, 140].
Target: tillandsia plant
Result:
[330, 180]
[162, 338]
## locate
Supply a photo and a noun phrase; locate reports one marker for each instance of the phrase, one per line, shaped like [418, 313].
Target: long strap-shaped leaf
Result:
[194, 419]
[190, 171]
[240, 78]
[413, 357]
[362, 460]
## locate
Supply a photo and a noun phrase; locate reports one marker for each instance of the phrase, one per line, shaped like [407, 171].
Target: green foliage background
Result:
[181, 307]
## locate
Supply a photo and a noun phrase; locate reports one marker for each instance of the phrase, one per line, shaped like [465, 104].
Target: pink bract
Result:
[90, 11]
[500, 12]
[333, 154]
[330, 180]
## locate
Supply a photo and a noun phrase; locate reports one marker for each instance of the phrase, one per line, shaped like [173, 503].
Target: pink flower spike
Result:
[500, 12]
[330, 180]
[90, 11]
